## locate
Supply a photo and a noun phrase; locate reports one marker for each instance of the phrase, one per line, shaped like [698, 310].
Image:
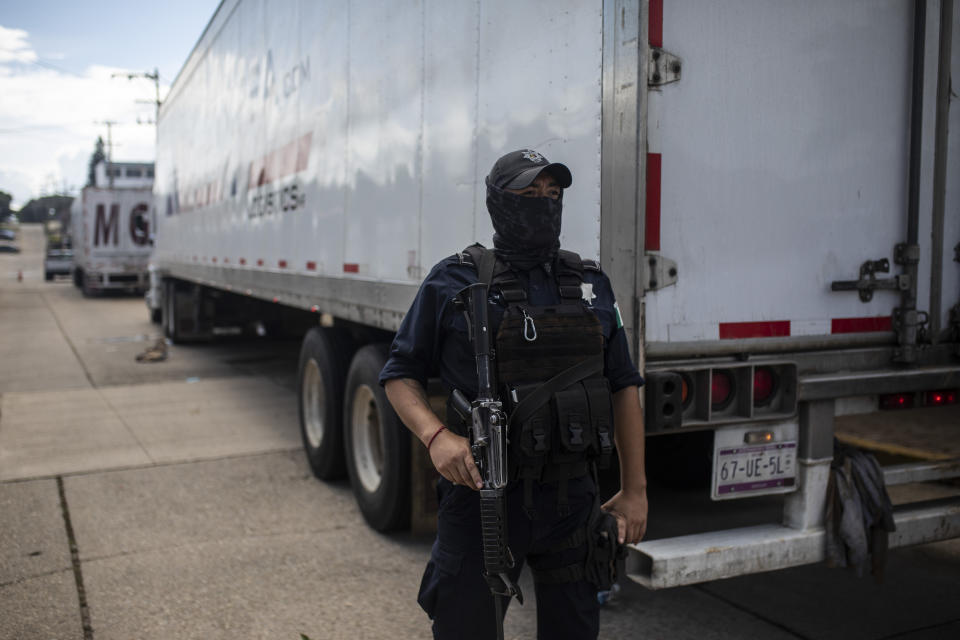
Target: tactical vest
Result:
[549, 368]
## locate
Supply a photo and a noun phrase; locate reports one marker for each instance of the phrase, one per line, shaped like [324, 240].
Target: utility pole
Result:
[155, 76]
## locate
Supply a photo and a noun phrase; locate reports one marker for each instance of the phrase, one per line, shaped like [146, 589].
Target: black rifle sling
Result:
[562, 380]
[485, 266]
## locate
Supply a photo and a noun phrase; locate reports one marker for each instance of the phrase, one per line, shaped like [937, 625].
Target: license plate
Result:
[741, 470]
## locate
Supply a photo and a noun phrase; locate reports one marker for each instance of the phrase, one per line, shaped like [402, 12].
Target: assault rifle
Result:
[488, 443]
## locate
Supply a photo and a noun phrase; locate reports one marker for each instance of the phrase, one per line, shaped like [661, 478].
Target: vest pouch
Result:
[531, 440]
[574, 426]
[601, 415]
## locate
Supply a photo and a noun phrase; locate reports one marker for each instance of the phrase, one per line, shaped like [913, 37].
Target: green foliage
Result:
[5, 199]
[38, 210]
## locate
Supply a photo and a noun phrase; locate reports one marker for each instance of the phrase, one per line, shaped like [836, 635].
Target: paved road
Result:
[171, 500]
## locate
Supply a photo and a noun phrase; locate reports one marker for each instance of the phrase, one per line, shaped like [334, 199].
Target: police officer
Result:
[552, 494]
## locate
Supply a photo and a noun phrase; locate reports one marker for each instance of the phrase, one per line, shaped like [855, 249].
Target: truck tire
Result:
[47, 276]
[85, 289]
[377, 444]
[169, 311]
[324, 360]
[77, 278]
[156, 316]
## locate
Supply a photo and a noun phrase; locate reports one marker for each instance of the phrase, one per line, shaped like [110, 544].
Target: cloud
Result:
[14, 47]
[50, 119]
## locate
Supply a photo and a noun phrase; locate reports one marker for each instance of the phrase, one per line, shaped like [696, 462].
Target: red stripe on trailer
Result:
[214, 259]
[861, 325]
[260, 262]
[652, 231]
[291, 158]
[656, 23]
[226, 261]
[311, 266]
[243, 261]
[351, 267]
[282, 264]
[775, 329]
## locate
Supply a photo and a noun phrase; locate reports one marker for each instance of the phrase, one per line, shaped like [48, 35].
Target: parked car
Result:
[57, 262]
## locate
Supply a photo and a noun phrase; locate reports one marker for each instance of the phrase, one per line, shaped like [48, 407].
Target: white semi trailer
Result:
[110, 230]
[773, 189]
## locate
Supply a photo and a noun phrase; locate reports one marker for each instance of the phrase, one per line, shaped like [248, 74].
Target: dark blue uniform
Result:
[433, 341]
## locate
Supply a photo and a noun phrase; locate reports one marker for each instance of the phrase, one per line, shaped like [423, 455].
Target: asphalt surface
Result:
[171, 500]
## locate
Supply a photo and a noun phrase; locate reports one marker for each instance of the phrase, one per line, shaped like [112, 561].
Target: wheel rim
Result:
[367, 439]
[314, 401]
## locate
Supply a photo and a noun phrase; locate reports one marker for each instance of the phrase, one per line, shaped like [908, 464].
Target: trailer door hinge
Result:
[662, 68]
[868, 281]
[658, 272]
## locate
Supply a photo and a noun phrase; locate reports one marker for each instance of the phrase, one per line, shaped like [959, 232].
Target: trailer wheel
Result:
[377, 445]
[156, 316]
[169, 311]
[47, 276]
[324, 359]
[77, 278]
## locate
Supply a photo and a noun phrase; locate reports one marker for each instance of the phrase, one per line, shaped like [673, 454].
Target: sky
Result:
[57, 84]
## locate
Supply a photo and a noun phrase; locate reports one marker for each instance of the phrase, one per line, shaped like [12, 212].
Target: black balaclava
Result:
[526, 230]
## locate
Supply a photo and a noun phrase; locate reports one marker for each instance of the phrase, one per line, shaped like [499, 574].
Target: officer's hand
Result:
[630, 509]
[451, 456]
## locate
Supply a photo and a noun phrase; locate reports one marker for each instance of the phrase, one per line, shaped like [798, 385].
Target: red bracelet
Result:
[434, 436]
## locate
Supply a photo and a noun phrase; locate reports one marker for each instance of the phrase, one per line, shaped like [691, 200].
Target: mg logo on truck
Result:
[140, 225]
[105, 228]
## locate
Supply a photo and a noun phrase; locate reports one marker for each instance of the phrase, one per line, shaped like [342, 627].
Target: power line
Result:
[36, 127]
[49, 65]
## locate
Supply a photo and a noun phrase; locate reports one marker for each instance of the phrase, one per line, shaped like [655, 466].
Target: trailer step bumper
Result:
[674, 562]
[921, 472]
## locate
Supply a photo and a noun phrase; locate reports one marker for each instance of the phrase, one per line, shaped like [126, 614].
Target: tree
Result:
[38, 210]
[96, 158]
[5, 199]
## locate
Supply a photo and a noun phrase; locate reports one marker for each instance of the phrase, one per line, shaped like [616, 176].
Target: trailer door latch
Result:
[662, 67]
[868, 281]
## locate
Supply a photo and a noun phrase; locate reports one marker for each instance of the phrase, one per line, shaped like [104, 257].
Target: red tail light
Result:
[764, 386]
[896, 401]
[925, 399]
[721, 389]
[685, 389]
[937, 398]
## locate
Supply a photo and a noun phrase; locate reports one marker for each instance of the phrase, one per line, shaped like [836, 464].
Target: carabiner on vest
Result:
[529, 328]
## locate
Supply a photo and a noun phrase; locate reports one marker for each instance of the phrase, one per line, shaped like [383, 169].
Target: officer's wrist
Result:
[433, 437]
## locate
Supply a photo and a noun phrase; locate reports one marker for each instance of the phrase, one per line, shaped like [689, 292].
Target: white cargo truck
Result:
[111, 230]
[773, 189]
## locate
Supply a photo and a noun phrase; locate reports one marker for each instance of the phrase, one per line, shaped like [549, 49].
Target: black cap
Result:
[518, 169]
